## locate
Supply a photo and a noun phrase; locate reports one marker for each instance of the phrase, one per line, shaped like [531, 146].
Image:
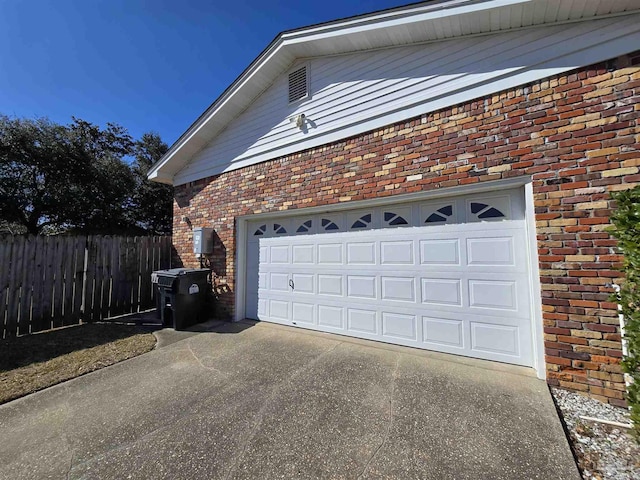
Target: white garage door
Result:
[449, 275]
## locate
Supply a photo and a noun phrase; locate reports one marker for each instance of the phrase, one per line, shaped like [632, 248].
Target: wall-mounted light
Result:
[299, 120]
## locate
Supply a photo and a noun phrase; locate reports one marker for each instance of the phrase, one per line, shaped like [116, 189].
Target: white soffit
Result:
[430, 21]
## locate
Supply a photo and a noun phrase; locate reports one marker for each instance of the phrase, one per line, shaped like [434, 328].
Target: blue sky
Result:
[152, 65]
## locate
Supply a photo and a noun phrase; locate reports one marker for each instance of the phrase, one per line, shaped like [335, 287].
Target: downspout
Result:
[625, 346]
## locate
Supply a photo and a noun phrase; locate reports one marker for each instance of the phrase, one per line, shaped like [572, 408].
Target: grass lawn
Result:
[33, 362]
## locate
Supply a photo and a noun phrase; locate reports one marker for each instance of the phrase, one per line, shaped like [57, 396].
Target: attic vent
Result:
[298, 84]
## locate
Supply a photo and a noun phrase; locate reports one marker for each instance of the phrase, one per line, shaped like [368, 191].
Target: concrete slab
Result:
[168, 336]
[264, 401]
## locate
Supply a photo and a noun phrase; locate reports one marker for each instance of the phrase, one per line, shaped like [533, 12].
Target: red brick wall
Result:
[576, 135]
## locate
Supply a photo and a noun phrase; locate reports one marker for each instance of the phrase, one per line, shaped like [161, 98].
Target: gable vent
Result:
[298, 84]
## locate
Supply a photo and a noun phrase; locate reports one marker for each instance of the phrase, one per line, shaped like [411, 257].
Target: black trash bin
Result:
[181, 296]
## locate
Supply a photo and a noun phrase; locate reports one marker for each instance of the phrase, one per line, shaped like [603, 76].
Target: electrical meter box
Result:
[202, 240]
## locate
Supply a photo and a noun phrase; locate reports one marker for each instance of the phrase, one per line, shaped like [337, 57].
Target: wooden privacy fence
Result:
[53, 281]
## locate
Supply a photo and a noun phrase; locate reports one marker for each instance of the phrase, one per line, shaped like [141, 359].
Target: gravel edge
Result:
[603, 452]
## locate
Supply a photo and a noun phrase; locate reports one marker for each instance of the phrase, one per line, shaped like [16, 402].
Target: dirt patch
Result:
[34, 362]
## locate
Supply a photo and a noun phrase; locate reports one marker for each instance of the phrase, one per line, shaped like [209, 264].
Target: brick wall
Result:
[576, 135]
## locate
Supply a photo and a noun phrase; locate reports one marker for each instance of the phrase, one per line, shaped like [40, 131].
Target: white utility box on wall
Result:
[202, 240]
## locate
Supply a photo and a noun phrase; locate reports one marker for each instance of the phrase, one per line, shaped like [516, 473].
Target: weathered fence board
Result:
[143, 268]
[38, 284]
[133, 251]
[5, 258]
[137, 278]
[106, 244]
[67, 280]
[79, 252]
[54, 281]
[58, 274]
[48, 282]
[15, 284]
[26, 288]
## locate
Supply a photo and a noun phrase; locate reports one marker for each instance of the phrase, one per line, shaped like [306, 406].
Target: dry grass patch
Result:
[34, 362]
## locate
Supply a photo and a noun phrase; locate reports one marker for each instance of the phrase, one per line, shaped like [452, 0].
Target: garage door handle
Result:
[291, 284]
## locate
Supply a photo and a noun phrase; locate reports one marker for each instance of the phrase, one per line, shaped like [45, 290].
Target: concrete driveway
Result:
[266, 401]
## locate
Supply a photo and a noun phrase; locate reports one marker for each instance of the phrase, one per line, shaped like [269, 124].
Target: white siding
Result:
[353, 93]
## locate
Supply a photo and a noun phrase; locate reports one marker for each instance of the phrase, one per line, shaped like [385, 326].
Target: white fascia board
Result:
[160, 177]
[309, 35]
[395, 18]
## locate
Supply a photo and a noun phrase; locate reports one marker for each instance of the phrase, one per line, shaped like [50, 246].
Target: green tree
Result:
[36, 165]
[101, 201]
[77, 177]
[55, 178]
[151, 203]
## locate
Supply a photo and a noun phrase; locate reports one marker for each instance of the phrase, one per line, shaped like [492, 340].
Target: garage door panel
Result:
[303, 254]
[490, 251]
[398, 325]
[460, 288]
[441, 291]
[486, 251]
[361, 253]
[303, 313]
[493, 294]
[278, 309]
[438, 252]
[500, 339]
[330, 284]
[330, 254]
[278, 281]
[279, 253]
[443, 331]
[362, 286]
[398, 289]
[331, 316]
[303, 282]
[396, 252]
[498, 294]
[362, 321]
